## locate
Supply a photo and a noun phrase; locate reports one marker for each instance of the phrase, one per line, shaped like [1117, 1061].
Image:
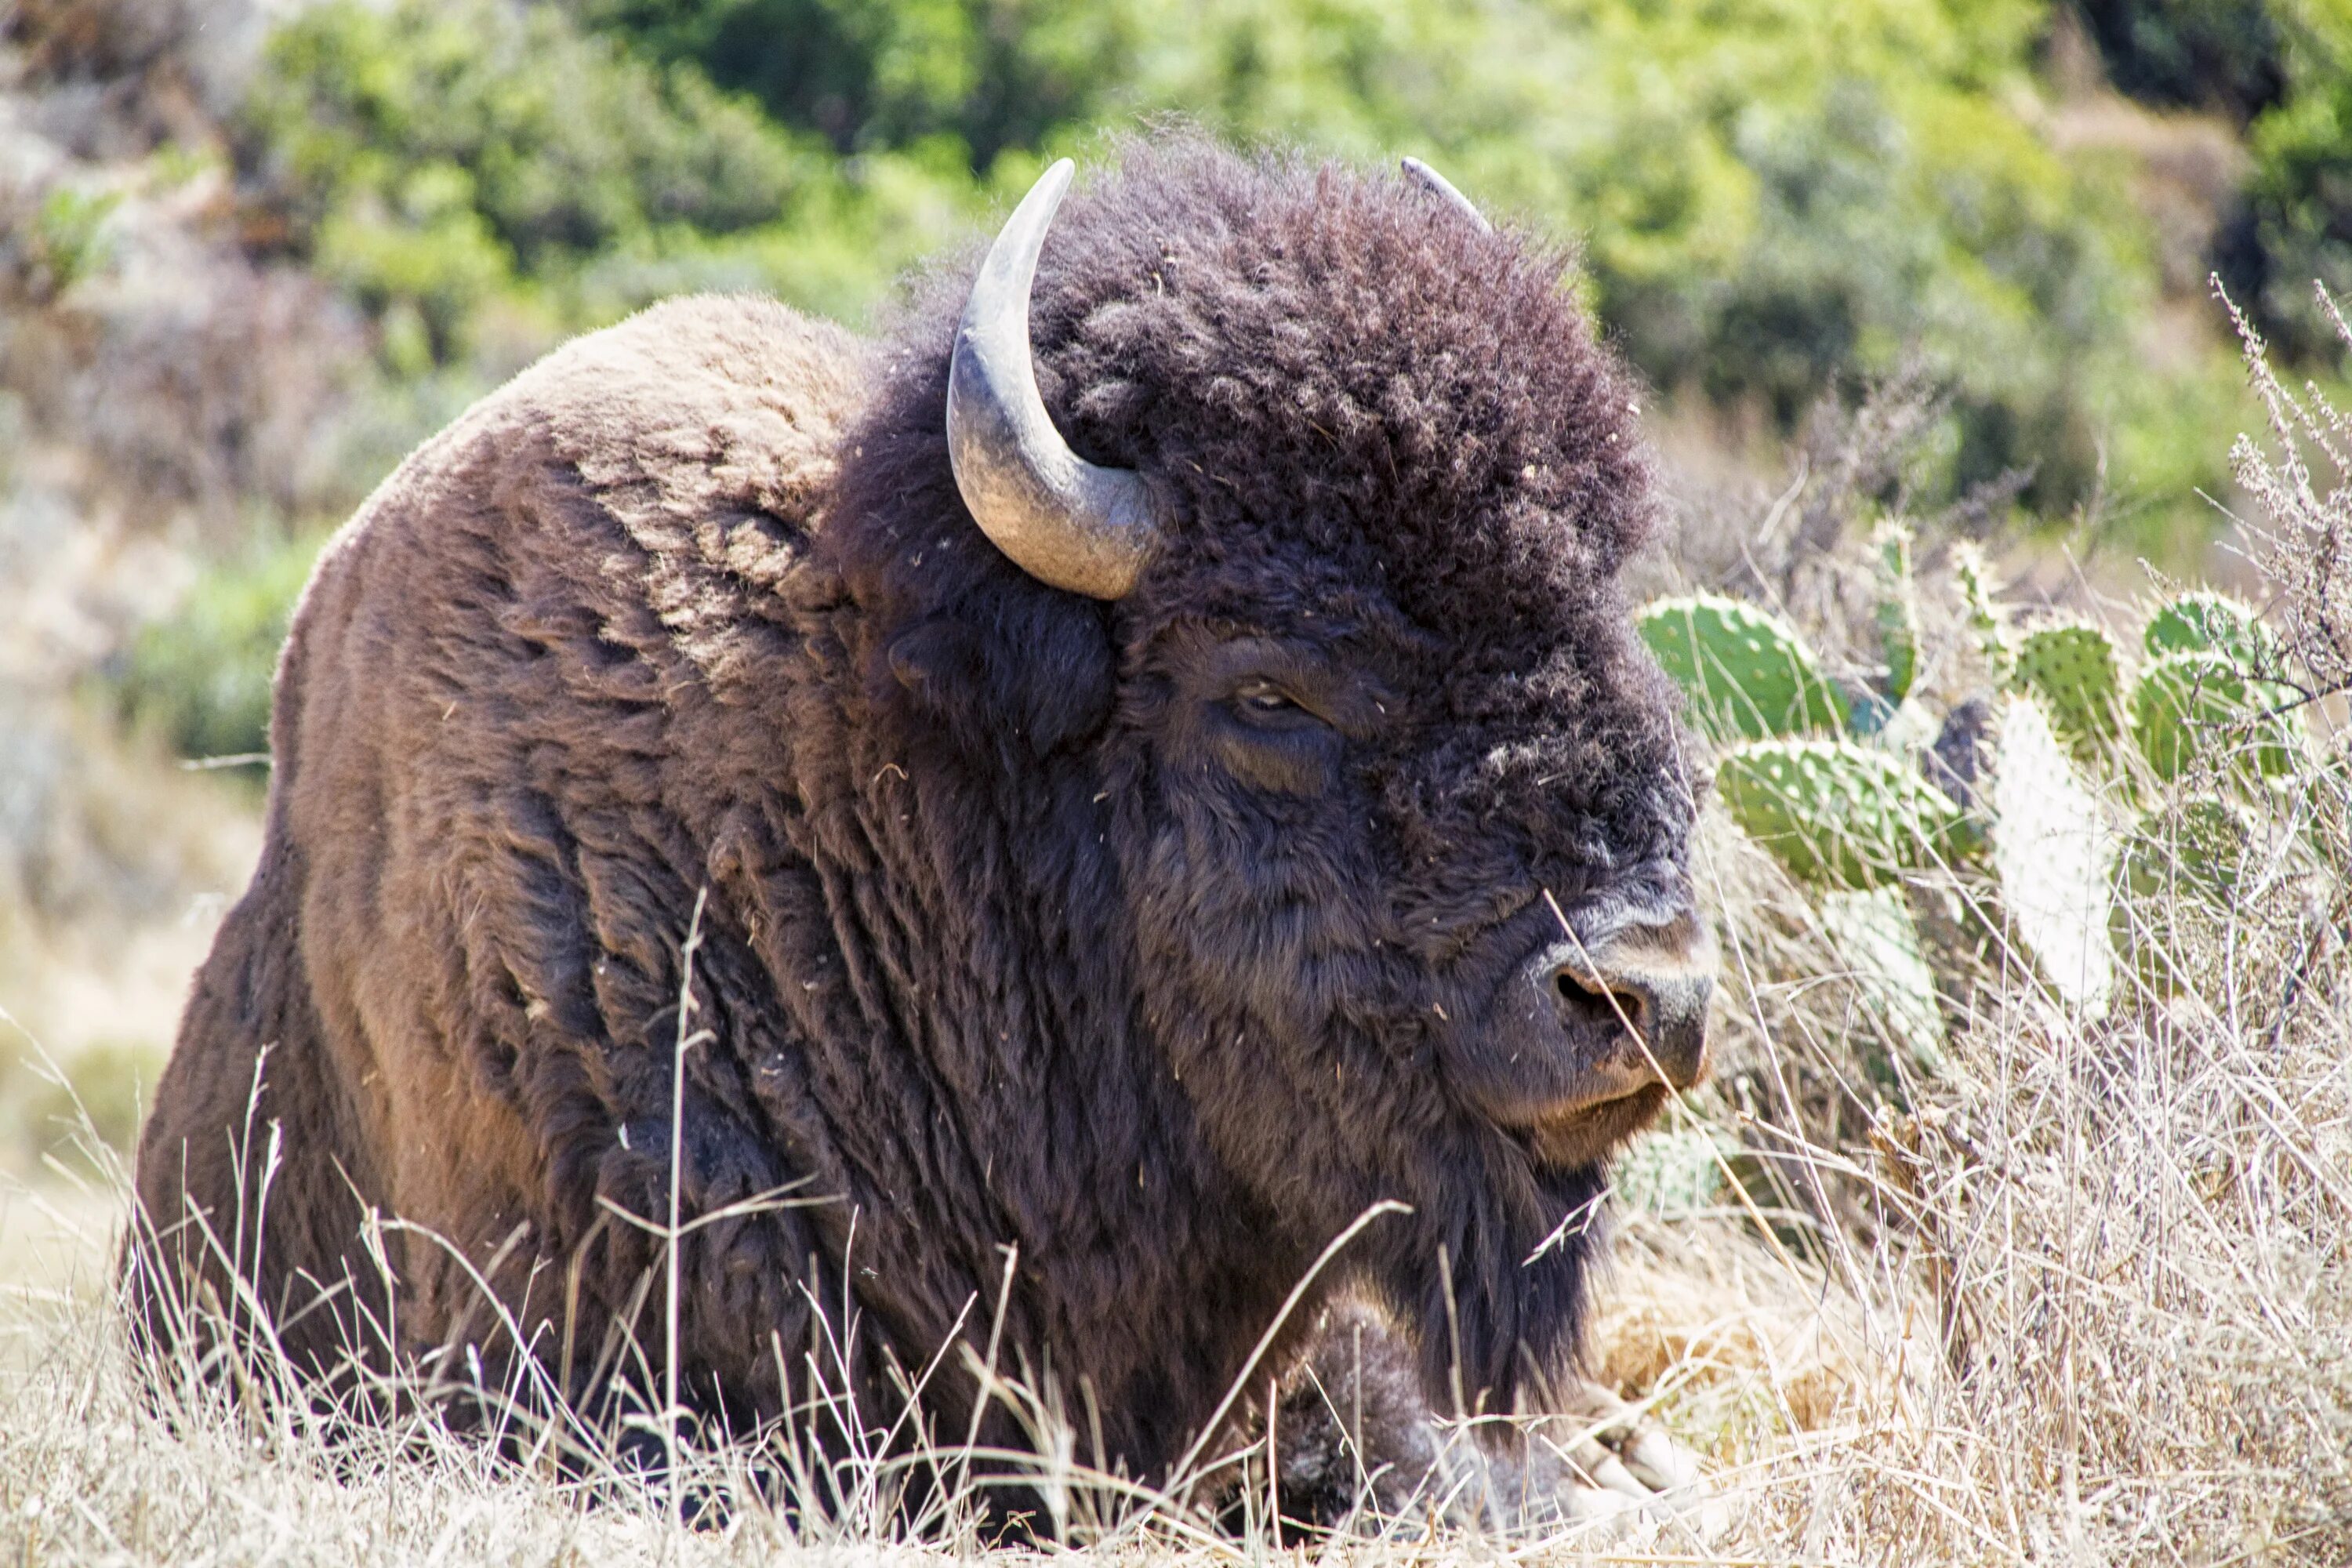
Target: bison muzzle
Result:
[1158, 748]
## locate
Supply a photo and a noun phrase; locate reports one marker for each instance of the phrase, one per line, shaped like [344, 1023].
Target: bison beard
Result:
[1148, 941]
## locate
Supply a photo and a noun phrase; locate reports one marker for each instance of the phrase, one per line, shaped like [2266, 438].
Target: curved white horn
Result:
[1438, 185]
[1066, 522]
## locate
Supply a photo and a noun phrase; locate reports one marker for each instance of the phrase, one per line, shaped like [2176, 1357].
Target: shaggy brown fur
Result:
[1033, 930]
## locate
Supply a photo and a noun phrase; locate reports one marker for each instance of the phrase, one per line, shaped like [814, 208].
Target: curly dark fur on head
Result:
[1146, 943]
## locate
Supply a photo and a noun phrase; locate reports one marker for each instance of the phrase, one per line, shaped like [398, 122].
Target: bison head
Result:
[1260, 597]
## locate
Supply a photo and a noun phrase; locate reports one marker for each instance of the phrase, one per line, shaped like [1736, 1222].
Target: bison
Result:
[1074, 804]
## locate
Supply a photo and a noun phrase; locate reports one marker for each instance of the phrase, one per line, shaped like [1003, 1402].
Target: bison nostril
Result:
[1665, 1010]
[1584, 999]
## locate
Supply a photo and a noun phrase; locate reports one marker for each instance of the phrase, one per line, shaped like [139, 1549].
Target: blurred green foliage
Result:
[70, 1112]
[201, 677]
[441, 158]
[2299, 200]
[967, 78]
[1772, 200]
[431, 157]
[2282, 69]
[66, 239]
[2193, 54]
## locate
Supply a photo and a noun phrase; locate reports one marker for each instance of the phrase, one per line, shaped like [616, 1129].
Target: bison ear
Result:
[1036, 670]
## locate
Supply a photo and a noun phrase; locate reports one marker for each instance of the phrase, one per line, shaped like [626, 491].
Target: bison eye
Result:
[1265, 700]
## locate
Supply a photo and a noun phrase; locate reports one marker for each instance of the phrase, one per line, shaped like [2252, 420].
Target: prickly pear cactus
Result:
[2180, 863]
[2197, 706]
[2194, 847]
[1973, 575]
[1672, 1171]
[2212, 623]
[1874, 935]
[1899, 608]
[2074, 671]
[2052, 854]
[1837, 815]
[1746, 675]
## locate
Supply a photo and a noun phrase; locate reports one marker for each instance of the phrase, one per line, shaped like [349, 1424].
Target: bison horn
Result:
[1438, 185]
[1066, 522]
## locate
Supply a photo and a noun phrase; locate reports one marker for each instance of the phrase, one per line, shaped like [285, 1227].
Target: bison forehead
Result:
[1329, 358]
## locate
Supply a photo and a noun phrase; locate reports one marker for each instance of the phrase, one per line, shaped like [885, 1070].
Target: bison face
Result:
[1379, 788]
[1414, 920]
[1327, 633]
[1350, 877]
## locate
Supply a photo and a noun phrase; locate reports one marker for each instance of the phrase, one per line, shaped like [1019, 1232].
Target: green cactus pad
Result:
[1670, 1172]
[2195, 846]
[1876, 937]
[2177, 860]
[1867, 713]
[2210, 623]
[2052, 854]
[2191, 705]
[1746, 675]
[1898, 609]
[1836, 814]
[2074, 671]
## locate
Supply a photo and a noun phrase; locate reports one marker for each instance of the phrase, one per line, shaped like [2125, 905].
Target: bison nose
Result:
[1657, 979]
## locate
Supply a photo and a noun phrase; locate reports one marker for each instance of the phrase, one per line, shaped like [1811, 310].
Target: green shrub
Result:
[2192, 53]
[2299, 200]
[433, 151]
[201, 677]
[2283, 68]
[980, 75]
[444, 159]
[1771, 201]
[68, 237]
[559, 142]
